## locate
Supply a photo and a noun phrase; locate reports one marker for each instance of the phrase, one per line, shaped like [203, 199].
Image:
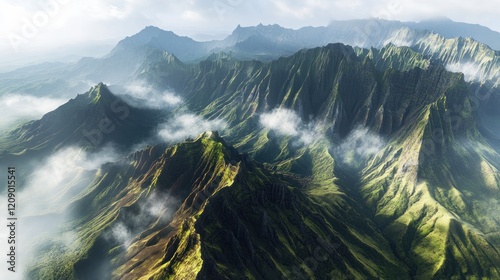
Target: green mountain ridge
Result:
[90, 120]
[429, 115]
[418, 208]
[271, 226]
[433, 181]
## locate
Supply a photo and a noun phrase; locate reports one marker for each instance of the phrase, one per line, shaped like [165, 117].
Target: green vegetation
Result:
[424, 206]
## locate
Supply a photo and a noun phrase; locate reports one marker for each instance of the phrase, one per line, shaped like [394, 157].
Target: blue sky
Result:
[30, 27]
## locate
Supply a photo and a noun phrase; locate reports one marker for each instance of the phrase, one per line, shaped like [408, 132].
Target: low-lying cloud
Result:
[156, 207]
[56, 181]
[358, 146]
[187, 126]
[145, 95]
[22, 107]
[471, 70]
[121, 234]
[58, 174]
[286, 122]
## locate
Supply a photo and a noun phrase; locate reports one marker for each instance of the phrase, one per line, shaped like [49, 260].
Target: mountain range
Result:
[335, 158]
[446, 40]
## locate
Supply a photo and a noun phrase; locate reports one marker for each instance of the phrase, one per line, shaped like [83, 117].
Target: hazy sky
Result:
[31, 26]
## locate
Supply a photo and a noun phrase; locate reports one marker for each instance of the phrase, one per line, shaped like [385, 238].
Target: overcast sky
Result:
[31, 26]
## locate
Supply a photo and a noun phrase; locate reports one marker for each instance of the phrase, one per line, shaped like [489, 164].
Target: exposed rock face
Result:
[419, 207]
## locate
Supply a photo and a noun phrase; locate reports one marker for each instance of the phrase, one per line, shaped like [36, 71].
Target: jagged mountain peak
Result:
[407, 210]
[268, 42]
[220, 56]
[89, 120]
[364, 21]
[449, 28]
[218, 207]
[211, 135]
[132, 54]
[100, 94]
[154, 38]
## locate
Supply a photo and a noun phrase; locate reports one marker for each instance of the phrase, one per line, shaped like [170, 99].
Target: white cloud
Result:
[471, 70]
[48, 186]
[19, 107]
[122, 234]
[458, 10]
[146, 96]
[192, 15]
[56, 181]
[283, 121]
[286, 122]
[159, 206]
[358, 146]
[187, 126]
[156, 207]
[138, 89]
[300, 10]
[109, 10]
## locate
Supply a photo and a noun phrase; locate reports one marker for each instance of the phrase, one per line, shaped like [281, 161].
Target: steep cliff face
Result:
[429, 189]
[398, 58]
[331, 84]
[419, 204]
[218, 215]
[477, 61]
[262, 42]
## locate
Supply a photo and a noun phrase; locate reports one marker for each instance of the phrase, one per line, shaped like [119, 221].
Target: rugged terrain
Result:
[336, 162]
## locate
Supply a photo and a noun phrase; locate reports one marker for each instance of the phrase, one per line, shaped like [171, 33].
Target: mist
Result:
[471, 70]
[140, 94]
[399, 40]
[186, 126]
[57, 181]
[53, 182]
[286, 122]
[156, 207]
[17, 108]
[358, 146]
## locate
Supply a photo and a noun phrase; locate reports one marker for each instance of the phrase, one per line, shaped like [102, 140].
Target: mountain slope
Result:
[221, 216]
[418, 205]
[331, 85]
[423, 188]
[90, 120]
[450, 29]
[477, 61]
[260, 42]
[432, 196]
